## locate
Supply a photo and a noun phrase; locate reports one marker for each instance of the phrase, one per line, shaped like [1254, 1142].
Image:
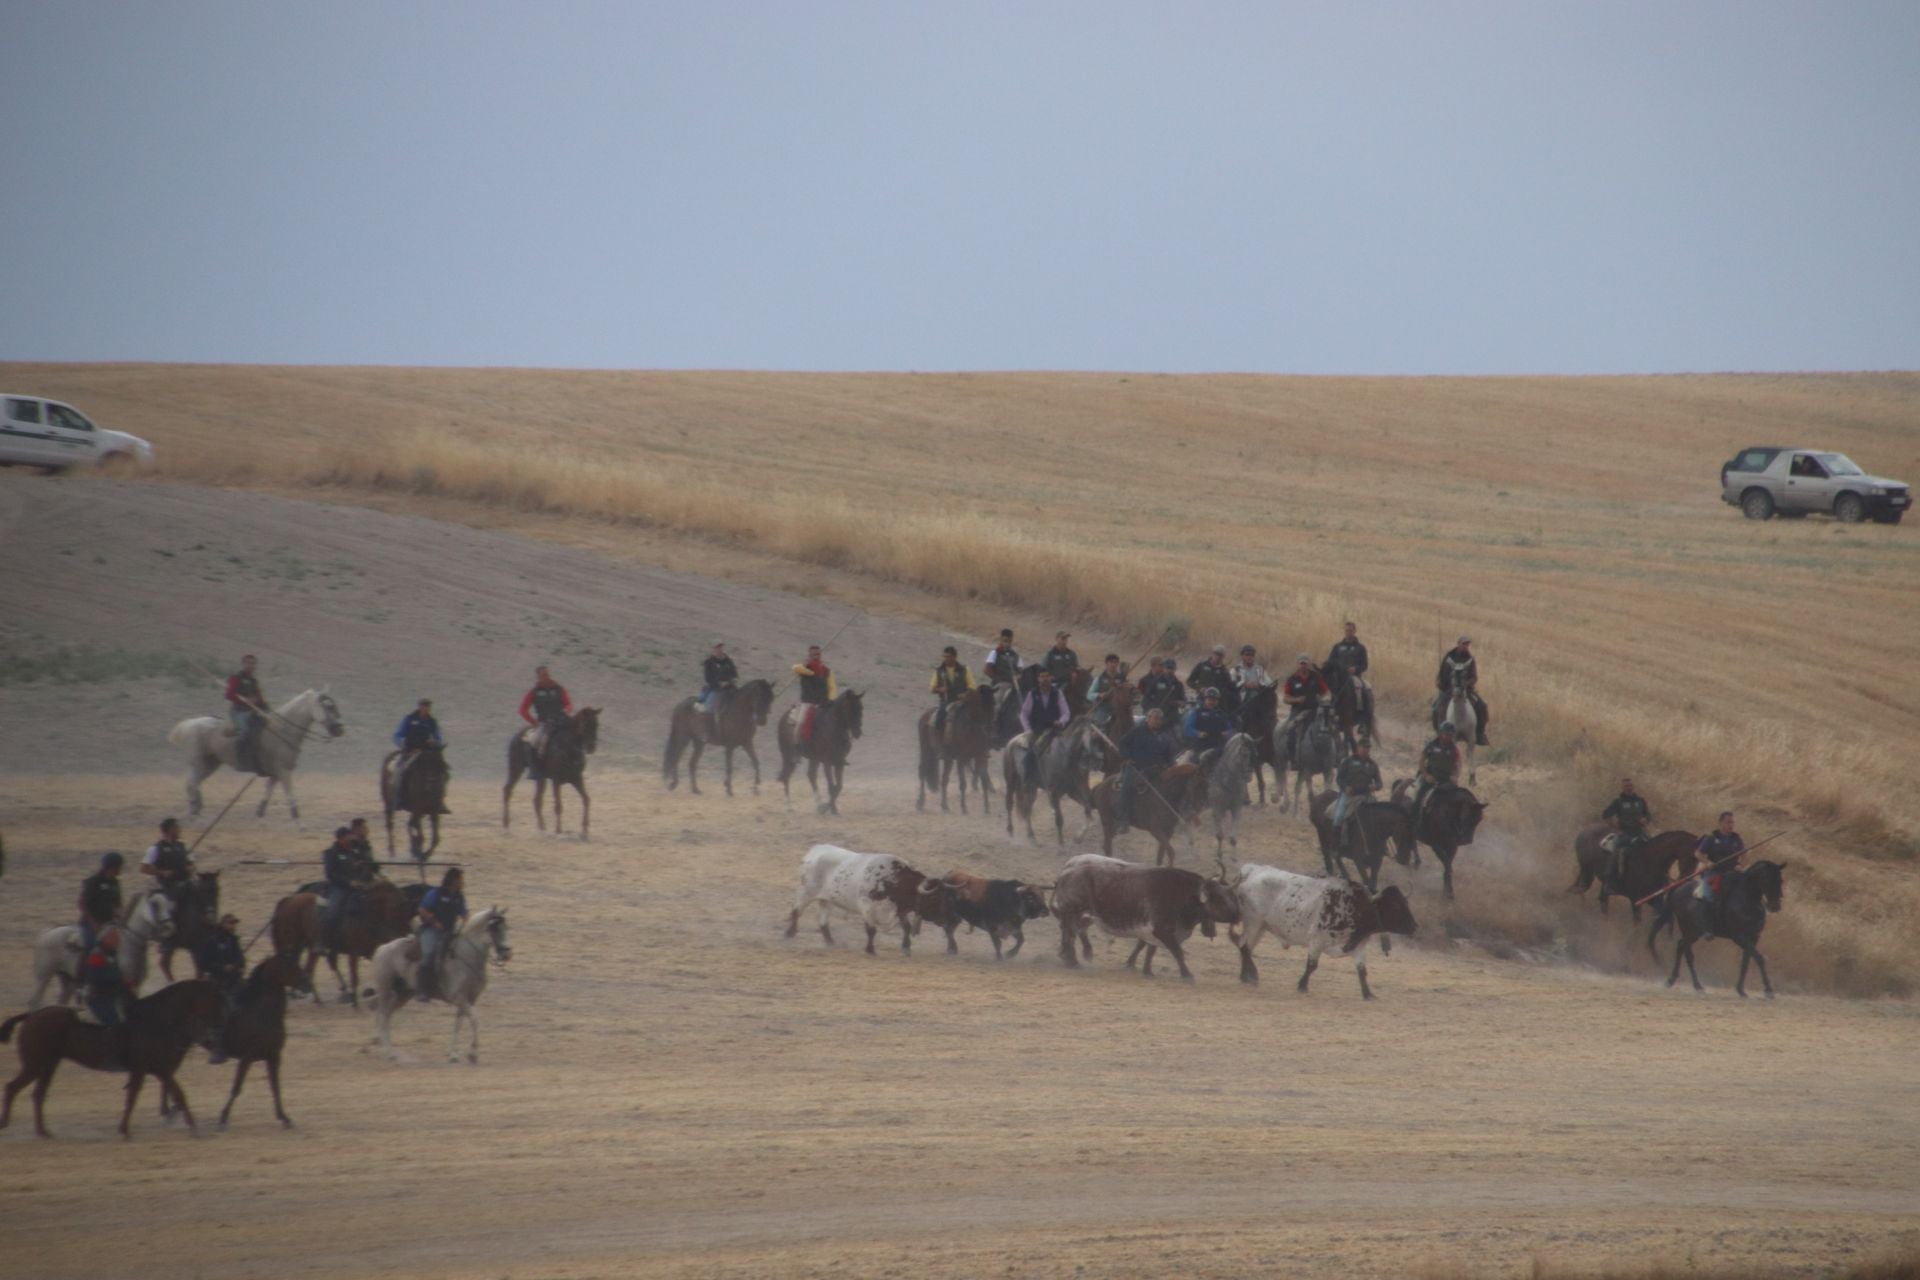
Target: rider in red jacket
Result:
[545, 705]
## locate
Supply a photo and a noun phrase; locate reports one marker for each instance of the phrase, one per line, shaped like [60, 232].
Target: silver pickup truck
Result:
[1768, 480]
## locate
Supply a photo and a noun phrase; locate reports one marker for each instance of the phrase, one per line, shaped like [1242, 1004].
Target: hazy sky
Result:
[1327, 187]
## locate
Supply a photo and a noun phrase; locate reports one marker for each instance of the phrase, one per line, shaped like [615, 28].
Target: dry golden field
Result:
[1625, 618]
[667, 1087]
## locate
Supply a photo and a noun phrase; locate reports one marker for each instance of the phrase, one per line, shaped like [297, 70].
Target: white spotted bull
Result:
[1317, 914]
[878, 889]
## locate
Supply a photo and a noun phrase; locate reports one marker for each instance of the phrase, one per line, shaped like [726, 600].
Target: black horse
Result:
[196, 906]
[256, 1028]
[1746, 899]
[1447, 823]
[1256, 717]
[422, 793]
[835, 726]
[562, 760]
[1376, 825]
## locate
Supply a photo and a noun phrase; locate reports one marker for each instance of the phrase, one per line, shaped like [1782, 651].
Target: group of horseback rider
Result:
[1718, 853]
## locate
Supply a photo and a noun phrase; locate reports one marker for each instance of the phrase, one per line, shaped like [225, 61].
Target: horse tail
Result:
[6, 1028]
[929, 758]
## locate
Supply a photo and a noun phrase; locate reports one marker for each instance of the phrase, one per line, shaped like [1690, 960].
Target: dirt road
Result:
[669, 1087]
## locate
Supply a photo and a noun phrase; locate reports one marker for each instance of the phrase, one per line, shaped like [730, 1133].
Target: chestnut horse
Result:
[158, 1032]
[1647, 867]
[385, 913]
[1157, 811]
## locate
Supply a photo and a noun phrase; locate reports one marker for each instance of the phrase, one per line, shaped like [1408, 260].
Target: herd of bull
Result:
[1156, 907]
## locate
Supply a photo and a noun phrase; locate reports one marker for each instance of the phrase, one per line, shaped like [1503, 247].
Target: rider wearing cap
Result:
[1002, 663]
[1302, 693]
[1459, 671]
[1060, 661]
[718, 676]
[345, 875]
[1104, 682]
[1630, 818]
[1357, 778]
[167, 860]
[1348, 660]
[1207, 727]
[1160, 688]
[100, 899]
[221, 961]
[1212, 672]
[1248, 675]
[418, 732]
[1438, 763]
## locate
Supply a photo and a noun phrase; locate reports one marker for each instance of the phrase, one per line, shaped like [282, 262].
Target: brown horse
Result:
[835, 726]
[196, 906]
[693, 730]
[158, 1032]
[422, 793]
[562, 760]
[1158, 812]
[383, 915]
[960, 747]
[256, 1029]
[1647, 868]
[1446, 825]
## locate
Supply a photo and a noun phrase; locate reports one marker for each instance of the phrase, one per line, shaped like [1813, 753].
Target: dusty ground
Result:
[667, 1086]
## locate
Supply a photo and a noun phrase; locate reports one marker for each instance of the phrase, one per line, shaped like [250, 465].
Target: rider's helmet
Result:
[1211, 695]
[1446, 726]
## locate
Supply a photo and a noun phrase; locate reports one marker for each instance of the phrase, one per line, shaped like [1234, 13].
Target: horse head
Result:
[761, 694]
[206, 889]
[1769, 881]
[497, 935]
[329, 714]
[588, 723]
[158, 910]
[852, 700]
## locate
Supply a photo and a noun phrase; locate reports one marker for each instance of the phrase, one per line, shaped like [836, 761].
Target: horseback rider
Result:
[363, 846]
[442, 911]
[1207, 727]
[1348, 658]
[1043, 713]
[418, 731]
[1438, 763]
[1213, 673]
[1357, 778]
[1630, 818]
[100, 899]
[1061, 662]
[167, 860]
[1145, 754]
[247, 709]
[107, 990]
[1719, 853]
[1302, 693]
[950, 683]
[221, 961]
[546, 705]
[817, 689]
[718, 677]
[346, 877]
[1249, 677]
[1161, 690]
[1459, 671]
[1100, 690]
[1002, 665]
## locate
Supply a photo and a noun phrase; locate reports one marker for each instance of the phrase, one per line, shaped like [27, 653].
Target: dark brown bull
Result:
[1000, 908]
[1155, 906]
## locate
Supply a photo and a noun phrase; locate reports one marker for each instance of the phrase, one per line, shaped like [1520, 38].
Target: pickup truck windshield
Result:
[1838, 464]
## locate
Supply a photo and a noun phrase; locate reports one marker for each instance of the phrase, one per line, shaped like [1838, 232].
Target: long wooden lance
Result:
[1699, 871]
[1192, 821]
[223, 813]
[1150, 648]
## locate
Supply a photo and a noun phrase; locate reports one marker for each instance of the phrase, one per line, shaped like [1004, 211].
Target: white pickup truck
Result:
[38, 432]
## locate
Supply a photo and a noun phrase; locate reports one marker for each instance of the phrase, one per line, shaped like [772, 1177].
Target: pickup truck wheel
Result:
[1756, 504]
[117, 465]
[1849, 508]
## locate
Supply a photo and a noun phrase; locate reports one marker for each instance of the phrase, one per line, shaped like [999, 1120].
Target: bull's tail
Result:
[6, 1028]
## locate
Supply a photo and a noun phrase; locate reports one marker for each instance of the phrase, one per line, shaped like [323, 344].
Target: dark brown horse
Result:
[1158, 812]
[961, 746]
[1748, 897]
[385, 913]
[835, 726]
[1647, 867]
[158, 1032]
[693, 730]
[1257, 716]
[1377, 827]
[256, 1029]
[1446, 825]
[562, 760]
[196, 906]
[422, 794]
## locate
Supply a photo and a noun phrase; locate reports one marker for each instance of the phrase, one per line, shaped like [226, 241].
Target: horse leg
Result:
[261, 812]
[540, 803]
[1740, 981]
[586, 806]
[40, 1087]
[473, 1033]
[353, 979]
[559, 814]
[506, 797]
[694, 748]
[273, 1079]
[754, 757]
[726, 759]
[134, 1081]
[433, 820]
[14, 1086]
[1766, 983]
[1679, 950]
[239, 1076]
[453, 1041]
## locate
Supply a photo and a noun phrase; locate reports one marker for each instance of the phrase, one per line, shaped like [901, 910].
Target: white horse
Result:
[1458, 708]
[149, 919]
[1227, 789]
[462, 979]
[212, 742]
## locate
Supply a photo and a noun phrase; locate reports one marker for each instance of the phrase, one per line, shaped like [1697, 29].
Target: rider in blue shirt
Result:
[1146, 755]
[417, 731]
[1207, 726]
[441, 912]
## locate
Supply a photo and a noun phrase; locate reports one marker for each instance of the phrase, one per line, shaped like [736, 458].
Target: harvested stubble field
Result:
[668, 1087]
